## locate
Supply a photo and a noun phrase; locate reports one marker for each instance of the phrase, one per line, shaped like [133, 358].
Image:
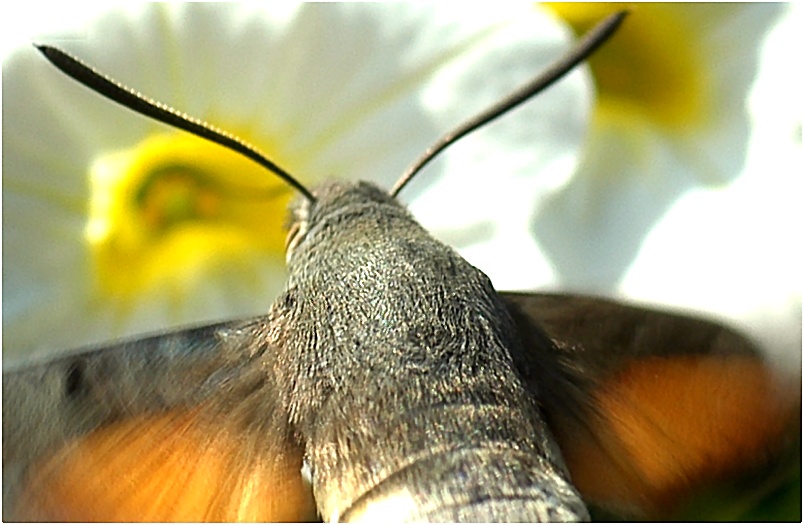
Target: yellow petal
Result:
[651, 68]
[172, 206]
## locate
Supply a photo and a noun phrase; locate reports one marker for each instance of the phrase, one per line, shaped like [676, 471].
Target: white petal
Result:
[634, 169]
[731, 38]
[735, 252]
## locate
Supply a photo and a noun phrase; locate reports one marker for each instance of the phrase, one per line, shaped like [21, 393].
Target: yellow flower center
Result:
[652, 67]
[166, 212]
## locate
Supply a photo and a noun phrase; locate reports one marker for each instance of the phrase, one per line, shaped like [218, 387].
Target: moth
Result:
[388, 380]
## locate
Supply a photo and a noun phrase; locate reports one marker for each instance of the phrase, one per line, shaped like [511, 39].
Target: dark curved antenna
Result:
[590, 42]
[135, 101]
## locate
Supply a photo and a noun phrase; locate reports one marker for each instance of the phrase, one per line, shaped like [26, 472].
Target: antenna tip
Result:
[620, 15]
[48, 51]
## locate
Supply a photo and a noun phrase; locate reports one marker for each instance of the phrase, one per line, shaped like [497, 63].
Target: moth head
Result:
[330, 200]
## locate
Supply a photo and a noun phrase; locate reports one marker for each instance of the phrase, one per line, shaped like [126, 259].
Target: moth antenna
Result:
[125, 96]
[587, 45]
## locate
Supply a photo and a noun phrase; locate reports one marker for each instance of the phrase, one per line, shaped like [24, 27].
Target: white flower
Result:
[689, 190]
[115, 225]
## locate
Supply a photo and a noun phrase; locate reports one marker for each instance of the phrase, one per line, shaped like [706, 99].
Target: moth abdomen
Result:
[514, 486]
[472, 453]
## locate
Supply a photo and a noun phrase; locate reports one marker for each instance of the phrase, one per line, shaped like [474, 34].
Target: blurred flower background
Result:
[668, 173]
[116, 225]
[690, 186]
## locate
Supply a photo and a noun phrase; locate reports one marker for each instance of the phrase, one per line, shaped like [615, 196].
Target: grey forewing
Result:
[397, 371]
[588, 338]
[46, 405]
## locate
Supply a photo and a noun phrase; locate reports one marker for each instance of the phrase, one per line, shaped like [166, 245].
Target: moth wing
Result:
[183, 426]
[647, 405]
